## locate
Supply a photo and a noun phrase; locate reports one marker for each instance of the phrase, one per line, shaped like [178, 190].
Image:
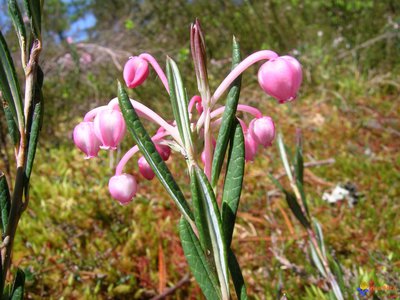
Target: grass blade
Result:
[5, 202]
[237, 277]
[179, 103]
[197, 262]
[149, 151]
[233, 182]
[227, 119]
[214, 225]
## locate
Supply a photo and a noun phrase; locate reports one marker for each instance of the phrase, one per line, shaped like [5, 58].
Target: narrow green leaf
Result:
[214, 225]
[299, 172]
[149, 151]
[18, 286]
[285, 161]
[18, 22]
[33, 138]
[33, 10]
[233, 182]
[11, 125]
[200, 216]
[237, 277]
[317, 260]
[338, 272]
[227, 119]
[9, 84]
[5, 202]
[292, 203]
[179, 103]
[296, 209]
[197, 261]
[320, 236]
[299, 162]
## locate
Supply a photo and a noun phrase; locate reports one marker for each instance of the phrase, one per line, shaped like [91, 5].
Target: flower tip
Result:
[135, 71]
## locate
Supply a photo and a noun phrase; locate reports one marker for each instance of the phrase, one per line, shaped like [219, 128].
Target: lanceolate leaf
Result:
[296, 209]
[214, 225]
[9, 84]
[149, 151]
[33, 138]
[227, 119]
[179, 103]
[317, 260]
[4, 202]
[18, 286]
[12, 126]
[233, 182]
[197, 261]
[200, 216]
[33, 9]
[19, 25]
[237, 277]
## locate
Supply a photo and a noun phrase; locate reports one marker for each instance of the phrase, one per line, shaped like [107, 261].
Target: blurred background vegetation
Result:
[74, 242]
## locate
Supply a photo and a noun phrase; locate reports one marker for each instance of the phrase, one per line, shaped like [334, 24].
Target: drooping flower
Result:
[136, 71]
[145, 169]
[281, 78]
[262, 130]
[122, 188]
[109, 127]
[86, 140]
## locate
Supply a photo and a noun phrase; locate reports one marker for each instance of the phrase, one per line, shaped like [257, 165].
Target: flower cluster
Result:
[104, 127]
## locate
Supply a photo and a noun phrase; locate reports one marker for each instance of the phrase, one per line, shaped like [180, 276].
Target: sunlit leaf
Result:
[233, 181]
[214, 224]
[197, 262]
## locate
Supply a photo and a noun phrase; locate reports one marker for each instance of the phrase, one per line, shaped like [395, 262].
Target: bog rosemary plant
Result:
[205, 134]
[23, 114]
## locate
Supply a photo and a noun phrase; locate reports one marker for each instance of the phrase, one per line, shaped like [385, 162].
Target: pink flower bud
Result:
[86, 140]
[262, 130]
[136, 71]
[250, 147]
[164, 151]
[122, 188]
[281, 78]
[145, 169]
[109, 127]
[199, 107]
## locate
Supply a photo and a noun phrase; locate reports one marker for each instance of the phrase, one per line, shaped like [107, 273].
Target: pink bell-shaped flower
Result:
[136, 71]
[145, 169]
[250, 147]
[281, 78]
[164, 151]
[109, 127]
[262, 130]
[86, 140]
[122, 188]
